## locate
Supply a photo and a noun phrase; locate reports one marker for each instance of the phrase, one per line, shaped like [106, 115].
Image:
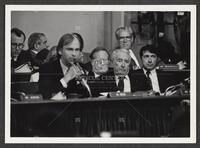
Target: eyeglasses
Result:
[15, 45]
[125, 37]
[101, 61]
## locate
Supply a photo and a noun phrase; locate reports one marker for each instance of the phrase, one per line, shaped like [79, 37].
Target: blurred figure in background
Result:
[52, 55]
[38, 49]
[167, 52]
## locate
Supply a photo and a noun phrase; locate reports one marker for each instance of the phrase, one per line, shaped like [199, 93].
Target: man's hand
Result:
[73, 72]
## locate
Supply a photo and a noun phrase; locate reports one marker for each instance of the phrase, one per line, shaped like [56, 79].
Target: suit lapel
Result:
[161, 81]
[58, 69]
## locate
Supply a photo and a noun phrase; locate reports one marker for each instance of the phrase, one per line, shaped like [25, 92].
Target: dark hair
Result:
[67, 39]
[18, 32]
[126, 29]
[33, 38]
[150, 48]
[97, 49]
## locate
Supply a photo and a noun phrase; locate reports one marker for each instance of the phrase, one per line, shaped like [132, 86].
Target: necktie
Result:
[149, 79]
[121, 84]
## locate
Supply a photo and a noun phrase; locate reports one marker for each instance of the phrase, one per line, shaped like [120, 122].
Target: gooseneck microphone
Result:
[81, 78]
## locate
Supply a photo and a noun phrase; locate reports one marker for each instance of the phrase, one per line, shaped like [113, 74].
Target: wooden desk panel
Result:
[121, 116]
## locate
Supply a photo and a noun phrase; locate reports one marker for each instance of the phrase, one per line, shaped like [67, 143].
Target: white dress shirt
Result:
[154, 79]
[127, 83]
[96, 75]
[35, 52]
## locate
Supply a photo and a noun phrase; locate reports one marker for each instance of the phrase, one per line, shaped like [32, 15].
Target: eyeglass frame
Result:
[125, 37]
[15, 45]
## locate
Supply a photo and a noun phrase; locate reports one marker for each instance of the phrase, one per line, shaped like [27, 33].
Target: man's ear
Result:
[36, 46]
[133, 39]
[59, 51]
[92, 62]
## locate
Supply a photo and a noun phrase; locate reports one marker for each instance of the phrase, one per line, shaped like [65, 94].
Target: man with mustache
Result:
[64, 74]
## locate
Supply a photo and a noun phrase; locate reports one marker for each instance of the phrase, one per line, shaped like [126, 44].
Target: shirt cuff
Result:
[64, 84]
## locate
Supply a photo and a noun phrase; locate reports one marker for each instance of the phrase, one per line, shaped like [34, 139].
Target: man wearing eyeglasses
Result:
[18, 55]
[101, 77]
[125, 37]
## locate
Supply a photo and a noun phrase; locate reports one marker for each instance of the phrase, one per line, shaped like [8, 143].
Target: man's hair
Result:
[33, 39]
[67, 39]
[150, 48]
[18, 32]
[97, 49]
[114, 53]
[128, 29]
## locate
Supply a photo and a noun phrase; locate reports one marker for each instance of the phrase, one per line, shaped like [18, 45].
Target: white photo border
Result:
[190, 8]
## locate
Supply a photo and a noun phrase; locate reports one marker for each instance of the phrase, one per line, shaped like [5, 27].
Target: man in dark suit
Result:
[149, 78]
[64, 74]
[101, 77]
[18, 55]
[38, 49]
[121, 64]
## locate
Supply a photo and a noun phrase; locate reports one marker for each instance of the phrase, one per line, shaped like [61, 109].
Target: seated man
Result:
[37, 44]
[18, 55]
[125, 37]
[149, 78]
[101, 78]
[64, 74]
[121, 63]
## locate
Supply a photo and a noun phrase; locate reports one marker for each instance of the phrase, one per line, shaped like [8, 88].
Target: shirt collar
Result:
[117, 77]
[96, 75]
[15, 59]
[152, 71]
[34, 51]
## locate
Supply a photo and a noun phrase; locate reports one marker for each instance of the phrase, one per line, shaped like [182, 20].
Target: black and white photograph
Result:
[100, 74]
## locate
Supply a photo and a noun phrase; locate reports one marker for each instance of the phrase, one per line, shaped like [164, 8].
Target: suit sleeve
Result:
[49, 83]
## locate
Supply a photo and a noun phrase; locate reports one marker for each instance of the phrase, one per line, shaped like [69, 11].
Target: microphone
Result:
[82, 80]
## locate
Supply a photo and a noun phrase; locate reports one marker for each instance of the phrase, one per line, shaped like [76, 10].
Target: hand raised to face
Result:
[74, 72]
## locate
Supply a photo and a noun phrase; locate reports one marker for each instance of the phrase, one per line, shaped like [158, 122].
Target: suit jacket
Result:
[49, 82]
[39, 58]
[103, 83]
[22, 59]
[136, 53]
[140, 82]
[106, 82]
